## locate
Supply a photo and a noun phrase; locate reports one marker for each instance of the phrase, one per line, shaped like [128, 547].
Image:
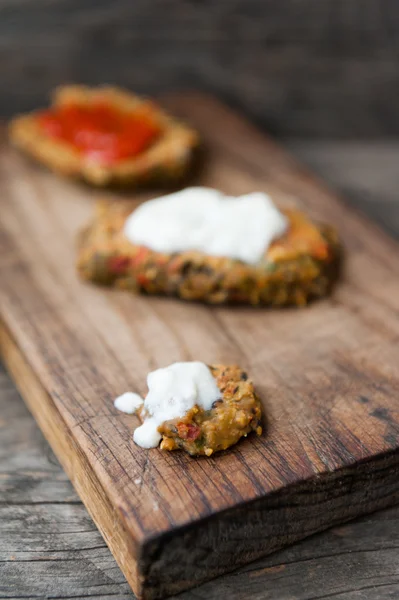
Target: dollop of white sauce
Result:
[128, 402]
[172, 392]
[206, 220]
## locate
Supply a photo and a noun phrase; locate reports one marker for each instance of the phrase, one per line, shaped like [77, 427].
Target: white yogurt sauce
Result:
[128, 402]
[172, 392]
[206, 220]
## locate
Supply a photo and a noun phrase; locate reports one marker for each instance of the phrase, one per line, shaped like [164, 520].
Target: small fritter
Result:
[203, 432]
[106, 136]
[297, 267]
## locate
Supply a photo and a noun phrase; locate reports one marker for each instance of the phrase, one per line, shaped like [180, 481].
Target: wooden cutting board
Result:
[328, 374]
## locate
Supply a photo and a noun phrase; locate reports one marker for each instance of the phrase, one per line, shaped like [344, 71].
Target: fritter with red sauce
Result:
[106, 136]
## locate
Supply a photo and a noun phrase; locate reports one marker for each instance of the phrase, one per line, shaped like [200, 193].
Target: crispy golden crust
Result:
[300, 266]
[203, 432]
[167, 160]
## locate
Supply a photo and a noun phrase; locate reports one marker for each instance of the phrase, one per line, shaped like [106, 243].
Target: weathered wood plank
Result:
[334, 364]
[302, 68]
[29, 472]
[342, 562]
[51, 548]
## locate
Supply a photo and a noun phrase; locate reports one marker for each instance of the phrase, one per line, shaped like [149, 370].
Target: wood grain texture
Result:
[309, 67]
[329, 379]
[51, 548]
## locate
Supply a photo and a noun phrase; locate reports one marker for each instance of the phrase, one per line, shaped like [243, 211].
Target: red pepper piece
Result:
[119, 264]
[140, 257]
[188, 431]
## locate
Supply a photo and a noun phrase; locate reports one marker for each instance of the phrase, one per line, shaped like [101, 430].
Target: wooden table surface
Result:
[49, 546]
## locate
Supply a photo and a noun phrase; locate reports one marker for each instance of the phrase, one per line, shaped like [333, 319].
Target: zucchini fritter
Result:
[299, 266]
[203, 432]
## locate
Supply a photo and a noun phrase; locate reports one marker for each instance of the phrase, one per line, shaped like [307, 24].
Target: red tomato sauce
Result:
[99, 131]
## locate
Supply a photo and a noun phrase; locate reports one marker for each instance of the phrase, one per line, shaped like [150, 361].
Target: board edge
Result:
[71, 458]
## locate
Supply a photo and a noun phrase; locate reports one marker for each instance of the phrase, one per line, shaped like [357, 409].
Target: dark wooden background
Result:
[298, 67]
